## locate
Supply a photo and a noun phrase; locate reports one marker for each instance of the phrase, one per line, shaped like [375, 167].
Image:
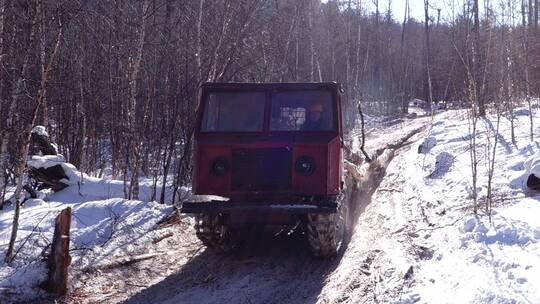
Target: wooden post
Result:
[59, 259]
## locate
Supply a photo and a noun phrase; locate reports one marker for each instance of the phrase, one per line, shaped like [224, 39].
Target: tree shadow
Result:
[507, 146]
[443, 163]
[271, 269]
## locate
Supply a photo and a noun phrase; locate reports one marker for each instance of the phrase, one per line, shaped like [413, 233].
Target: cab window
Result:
[302, 111]
[233, 112]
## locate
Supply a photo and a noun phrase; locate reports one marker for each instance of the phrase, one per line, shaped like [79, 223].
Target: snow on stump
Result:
[59, 258]
[46, 166]
[40, 142]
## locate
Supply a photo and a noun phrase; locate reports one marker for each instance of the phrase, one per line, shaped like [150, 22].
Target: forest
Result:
[269, 151]
[116, 83]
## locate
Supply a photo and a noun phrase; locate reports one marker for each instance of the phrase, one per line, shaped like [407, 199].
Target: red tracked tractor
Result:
[274, 151]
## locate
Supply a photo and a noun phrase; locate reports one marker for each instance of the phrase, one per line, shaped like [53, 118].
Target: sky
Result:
[398, 8]
[416, 7]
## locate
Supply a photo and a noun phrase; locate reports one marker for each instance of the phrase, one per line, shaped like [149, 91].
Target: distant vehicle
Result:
[440, 105]
[422, 107]
[418, 103]
[417, 107]
[274, 152]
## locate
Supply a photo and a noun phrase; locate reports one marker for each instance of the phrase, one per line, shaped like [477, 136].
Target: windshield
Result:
[302, 111]
[233, 112]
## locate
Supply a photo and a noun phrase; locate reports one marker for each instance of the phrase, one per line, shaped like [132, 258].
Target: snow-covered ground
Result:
[472, 260]
[104, 226]
[415, 241]
[418, 241]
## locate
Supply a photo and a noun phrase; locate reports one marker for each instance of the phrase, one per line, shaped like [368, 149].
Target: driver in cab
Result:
[314, 118]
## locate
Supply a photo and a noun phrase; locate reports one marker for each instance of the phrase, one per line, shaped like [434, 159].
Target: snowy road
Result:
[274, 269]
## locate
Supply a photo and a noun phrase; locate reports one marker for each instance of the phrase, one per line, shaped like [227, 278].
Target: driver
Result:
[314, 119]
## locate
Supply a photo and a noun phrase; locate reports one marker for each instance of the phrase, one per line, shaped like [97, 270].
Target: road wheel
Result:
[326, 232]
[213, 233]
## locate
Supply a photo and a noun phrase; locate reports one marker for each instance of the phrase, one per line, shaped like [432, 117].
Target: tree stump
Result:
[59, 258]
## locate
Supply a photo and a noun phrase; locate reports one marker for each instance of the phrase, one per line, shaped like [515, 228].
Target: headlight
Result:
[305, 165]
[219, 166]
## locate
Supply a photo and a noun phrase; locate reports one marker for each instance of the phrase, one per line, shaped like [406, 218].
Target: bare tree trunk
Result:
[363, 129]
[213, 73]
[357, 47]
[429, 93]
[531, 12]
[536, 3]
[310, 37]
[134, 129]
[23, 154]
[525, 45]
[12, 104]
[402, 61]
[3, 131]
[199, 43]
[376, 78]
[3, 5]
[473, 119]
[491, 165]
[42, 31]
[476, 55]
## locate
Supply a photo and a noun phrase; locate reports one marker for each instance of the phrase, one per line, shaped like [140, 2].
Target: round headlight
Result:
[305, 165]
[219, 166]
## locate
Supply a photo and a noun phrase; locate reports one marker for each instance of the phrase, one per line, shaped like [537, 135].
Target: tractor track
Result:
[278, 269]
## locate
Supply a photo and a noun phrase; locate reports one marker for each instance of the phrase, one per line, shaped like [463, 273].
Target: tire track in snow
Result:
[377, 259]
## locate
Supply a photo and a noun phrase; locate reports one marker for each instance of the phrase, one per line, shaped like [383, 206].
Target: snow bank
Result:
[474, 260]
[103, 227]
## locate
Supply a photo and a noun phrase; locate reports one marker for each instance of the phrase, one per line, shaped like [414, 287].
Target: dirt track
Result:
[276, 269]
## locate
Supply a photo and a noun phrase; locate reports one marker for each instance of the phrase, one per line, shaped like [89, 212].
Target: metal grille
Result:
[261, 169]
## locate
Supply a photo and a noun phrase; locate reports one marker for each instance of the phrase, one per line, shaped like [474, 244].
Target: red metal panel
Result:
[207, 183]
[335, 166]
[314, 184]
